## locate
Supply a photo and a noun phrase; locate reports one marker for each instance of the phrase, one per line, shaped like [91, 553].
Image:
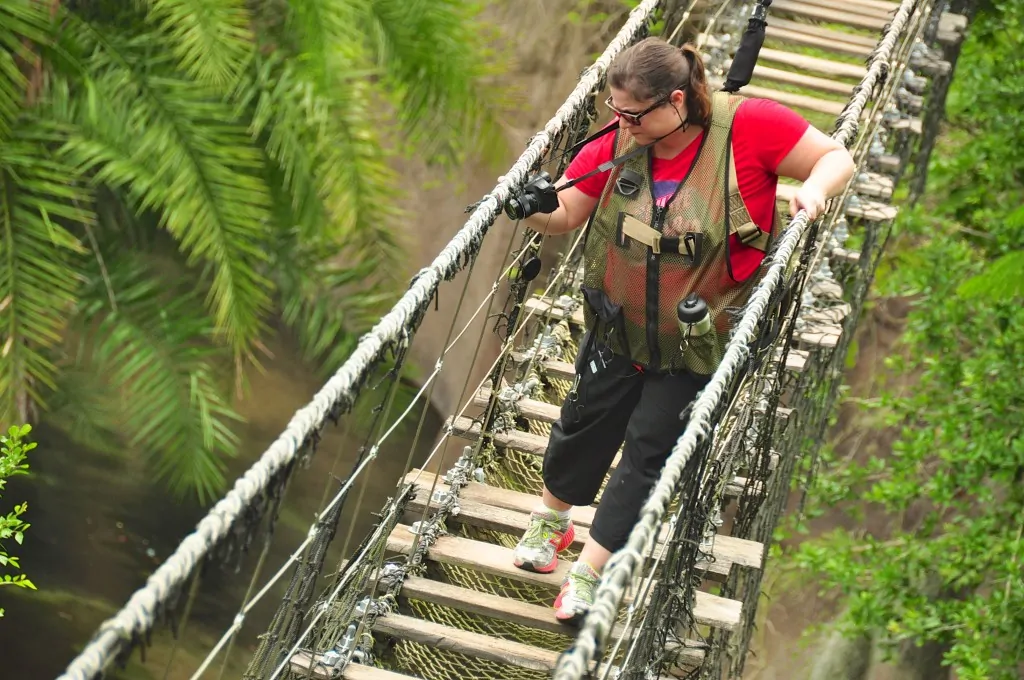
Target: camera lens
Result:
[514, 209]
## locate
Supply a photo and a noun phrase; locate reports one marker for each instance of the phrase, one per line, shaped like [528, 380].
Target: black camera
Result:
[538, 196]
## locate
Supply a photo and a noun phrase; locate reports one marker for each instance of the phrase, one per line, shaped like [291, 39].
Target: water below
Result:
[100, 527]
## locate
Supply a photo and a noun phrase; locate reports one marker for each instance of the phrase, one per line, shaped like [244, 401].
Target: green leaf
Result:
[21, 25]
[156, 351]
[212, 39]
[1003, 279]
[38, 277]
[172, 147]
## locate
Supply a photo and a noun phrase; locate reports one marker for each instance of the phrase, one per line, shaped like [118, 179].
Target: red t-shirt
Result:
[763, 133]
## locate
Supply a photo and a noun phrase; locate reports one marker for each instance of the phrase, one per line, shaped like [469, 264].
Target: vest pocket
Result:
[607, 318]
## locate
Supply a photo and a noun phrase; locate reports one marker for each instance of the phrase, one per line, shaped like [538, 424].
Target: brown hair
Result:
[653, 68]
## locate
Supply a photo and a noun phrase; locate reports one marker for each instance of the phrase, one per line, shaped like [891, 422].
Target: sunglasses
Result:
[634, 118]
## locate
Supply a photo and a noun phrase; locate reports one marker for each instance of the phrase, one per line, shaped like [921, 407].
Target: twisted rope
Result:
[139, 614]
[623, 565]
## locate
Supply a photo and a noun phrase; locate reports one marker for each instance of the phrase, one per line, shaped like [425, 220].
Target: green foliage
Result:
[13, 450]
[178, 178]
[950, 568]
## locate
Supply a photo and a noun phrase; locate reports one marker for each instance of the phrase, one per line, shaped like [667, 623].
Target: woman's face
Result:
[657, 116]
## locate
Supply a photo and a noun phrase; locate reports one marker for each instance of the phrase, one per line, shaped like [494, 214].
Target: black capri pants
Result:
[616, 401]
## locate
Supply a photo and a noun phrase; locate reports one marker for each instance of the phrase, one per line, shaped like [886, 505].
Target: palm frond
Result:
[328, 156]
[1003, 279]
[38, 278]
[211, 39]
[436, 61]
[156, 353]
[20, 22]
[172, 147]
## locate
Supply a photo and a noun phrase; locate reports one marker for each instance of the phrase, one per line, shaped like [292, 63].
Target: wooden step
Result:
[520, 502]
[913, 125]
[536, 445]
[843, 255]
[727, 550]
[833, 16]
[868, 42]
[874, 211]
[819, 336]
[710, 610]
[531, 409]
[774, 75]
[301, 662]
[790, 99]
[792, 37]
[516, 611]
[553, 311]
[477, 645]
[887, 162]
[835, 69]
[796, 360]
[874, 184]
[879, 11]
[525, 442]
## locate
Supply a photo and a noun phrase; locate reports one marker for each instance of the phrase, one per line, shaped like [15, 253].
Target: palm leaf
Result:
[21, 22]
[327, 155]
[435, 62]
[38, 258]
[157, 353]
[170, 146]
[211, 39]
[1003, 279]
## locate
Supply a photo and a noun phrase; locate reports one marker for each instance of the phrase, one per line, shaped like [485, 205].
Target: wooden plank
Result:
[819, 336]
[886, 11]
[833, 16]
[865, 41]
[532, 409]
[301, 662]
[850, 256]
[806, 40]
[791, 99]
[524, 502]
[911, 124]
[516, 611]
[796, 360]
[874, 184]
[887, 162]
[527, 442]
[775, 75]
[727, 551]
[478, 645]
[836, 69]
[873, 211]
[540, 306]
[709, 609]
[553, 368]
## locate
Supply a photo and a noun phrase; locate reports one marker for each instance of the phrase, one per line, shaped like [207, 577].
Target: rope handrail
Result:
[140, 612]
[622, 566]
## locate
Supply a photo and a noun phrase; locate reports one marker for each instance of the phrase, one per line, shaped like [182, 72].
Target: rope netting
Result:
[753, 430]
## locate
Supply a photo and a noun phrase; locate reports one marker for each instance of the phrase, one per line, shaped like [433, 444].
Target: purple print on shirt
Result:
[663, 190]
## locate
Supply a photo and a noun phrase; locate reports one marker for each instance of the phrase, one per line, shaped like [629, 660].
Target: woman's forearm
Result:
[831, 173]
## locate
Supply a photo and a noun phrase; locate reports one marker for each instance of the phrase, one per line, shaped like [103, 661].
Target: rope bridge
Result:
[431, 592]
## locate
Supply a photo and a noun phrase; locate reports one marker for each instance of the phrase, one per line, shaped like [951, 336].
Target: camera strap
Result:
[608, 165]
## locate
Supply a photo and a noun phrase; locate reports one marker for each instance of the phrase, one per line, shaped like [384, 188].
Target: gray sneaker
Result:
[546, 536]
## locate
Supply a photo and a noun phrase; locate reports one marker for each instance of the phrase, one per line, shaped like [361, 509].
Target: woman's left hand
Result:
[810, 198]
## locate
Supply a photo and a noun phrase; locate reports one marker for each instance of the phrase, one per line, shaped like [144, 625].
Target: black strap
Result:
[608, 165]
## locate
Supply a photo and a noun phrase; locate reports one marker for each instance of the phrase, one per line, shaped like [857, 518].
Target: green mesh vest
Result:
[645, 258]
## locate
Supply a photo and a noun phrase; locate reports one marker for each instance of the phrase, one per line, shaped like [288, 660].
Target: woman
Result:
[689, 216]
